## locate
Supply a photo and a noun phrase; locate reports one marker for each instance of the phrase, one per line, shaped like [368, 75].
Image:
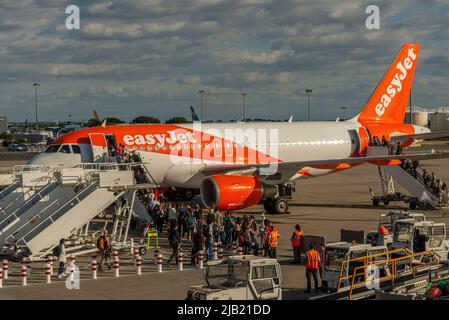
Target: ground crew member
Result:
[104, 245]
[313, 263]
[296, 240]
[273, 242]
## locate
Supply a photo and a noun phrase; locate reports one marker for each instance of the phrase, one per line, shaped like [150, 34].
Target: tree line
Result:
[140, 119]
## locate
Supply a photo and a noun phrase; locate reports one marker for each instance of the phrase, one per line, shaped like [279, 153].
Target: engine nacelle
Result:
[234, 192]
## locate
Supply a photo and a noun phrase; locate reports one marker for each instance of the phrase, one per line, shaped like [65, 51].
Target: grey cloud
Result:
[152, 56]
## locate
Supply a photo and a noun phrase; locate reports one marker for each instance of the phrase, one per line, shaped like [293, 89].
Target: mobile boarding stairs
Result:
[47, 203]
[420, 196]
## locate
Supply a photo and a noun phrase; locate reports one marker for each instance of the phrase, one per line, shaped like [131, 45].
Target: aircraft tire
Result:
[280, 206]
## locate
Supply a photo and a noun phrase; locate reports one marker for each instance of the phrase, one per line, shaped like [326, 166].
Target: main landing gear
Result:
[279, 203]
[182, 194]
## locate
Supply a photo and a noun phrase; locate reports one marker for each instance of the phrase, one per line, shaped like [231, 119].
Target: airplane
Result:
[232, 172]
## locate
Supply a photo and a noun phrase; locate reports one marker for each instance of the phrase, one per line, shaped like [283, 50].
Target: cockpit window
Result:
[76, 148]
[53, 148]
[65, 149]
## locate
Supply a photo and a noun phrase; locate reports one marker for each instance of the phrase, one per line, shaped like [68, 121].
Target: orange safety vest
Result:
[297, 238]
[273, 239]
[312, 259]
[383, 230]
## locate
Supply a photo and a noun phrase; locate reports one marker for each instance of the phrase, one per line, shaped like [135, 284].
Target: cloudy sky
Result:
[150, 57]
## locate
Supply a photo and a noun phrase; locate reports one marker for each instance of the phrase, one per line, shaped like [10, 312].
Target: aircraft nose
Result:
[41, 159]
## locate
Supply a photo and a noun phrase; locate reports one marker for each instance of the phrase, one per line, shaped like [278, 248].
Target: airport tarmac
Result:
[322, 206]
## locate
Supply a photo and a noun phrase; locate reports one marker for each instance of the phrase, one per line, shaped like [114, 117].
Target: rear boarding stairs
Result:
[420, 195]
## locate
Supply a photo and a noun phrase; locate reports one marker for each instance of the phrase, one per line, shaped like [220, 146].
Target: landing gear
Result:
[279, 204]
[276, 206]
[182, 194]
[188, 194]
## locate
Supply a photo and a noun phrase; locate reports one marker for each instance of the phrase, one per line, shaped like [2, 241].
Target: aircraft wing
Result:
[298, 165]
[421, 136]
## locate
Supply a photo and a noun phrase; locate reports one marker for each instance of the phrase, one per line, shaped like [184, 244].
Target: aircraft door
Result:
[99, 147]
[361, 137]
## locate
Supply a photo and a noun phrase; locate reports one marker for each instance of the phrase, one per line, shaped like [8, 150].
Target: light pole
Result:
[36, 84]
[308, 94]
[201, 92]
[344, 111]
[244, 94]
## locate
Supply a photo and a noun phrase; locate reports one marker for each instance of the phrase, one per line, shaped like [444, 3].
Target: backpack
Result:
[56, 251]
[215, 232]
[191, 220]
[100, 243]
[206, 231]
[210, 218]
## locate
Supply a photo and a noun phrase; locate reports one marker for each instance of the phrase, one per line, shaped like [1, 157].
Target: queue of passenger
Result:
[393, 149]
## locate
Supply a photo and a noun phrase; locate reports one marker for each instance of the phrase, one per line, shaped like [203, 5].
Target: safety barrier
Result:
[215, 250]
[181, 261]
[139, 265]
[94, 266]
[201, 259]
[24, 273]
[5, 266]
[116, 264]
[156, 254]
[160, 259]
[48, 273]
[45, 272]
[50, 262]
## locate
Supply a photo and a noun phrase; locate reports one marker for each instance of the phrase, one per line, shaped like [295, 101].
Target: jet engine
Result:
[233, 192]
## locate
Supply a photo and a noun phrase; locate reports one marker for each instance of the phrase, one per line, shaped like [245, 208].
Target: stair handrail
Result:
[6, 190]
[74, 198]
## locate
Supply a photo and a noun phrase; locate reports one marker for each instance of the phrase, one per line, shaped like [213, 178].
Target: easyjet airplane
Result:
[236, 165]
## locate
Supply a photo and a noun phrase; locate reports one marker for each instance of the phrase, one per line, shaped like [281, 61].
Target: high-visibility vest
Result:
[297, 238]
[273, 239]
[312, 259]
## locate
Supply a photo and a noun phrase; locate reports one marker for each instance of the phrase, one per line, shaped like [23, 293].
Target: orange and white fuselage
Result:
[176, 155]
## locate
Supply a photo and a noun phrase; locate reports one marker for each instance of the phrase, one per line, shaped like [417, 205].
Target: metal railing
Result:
[23, 208]
[8, 190]
[407, 259]
[53, 217]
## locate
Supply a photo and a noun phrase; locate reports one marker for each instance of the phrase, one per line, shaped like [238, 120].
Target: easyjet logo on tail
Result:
[395, 86]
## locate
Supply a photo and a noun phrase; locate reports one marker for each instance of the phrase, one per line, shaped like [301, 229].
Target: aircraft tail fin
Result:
[388, 102]
[193, 114]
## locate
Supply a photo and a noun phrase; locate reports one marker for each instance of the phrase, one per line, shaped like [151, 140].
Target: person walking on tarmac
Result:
[273, 242]
[104, 245]
[313, 263]
[60, 254]
[174, 239]
[296, 240]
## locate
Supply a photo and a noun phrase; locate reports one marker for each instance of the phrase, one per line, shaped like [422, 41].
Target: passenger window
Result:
[76, 149]
[65, 149]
